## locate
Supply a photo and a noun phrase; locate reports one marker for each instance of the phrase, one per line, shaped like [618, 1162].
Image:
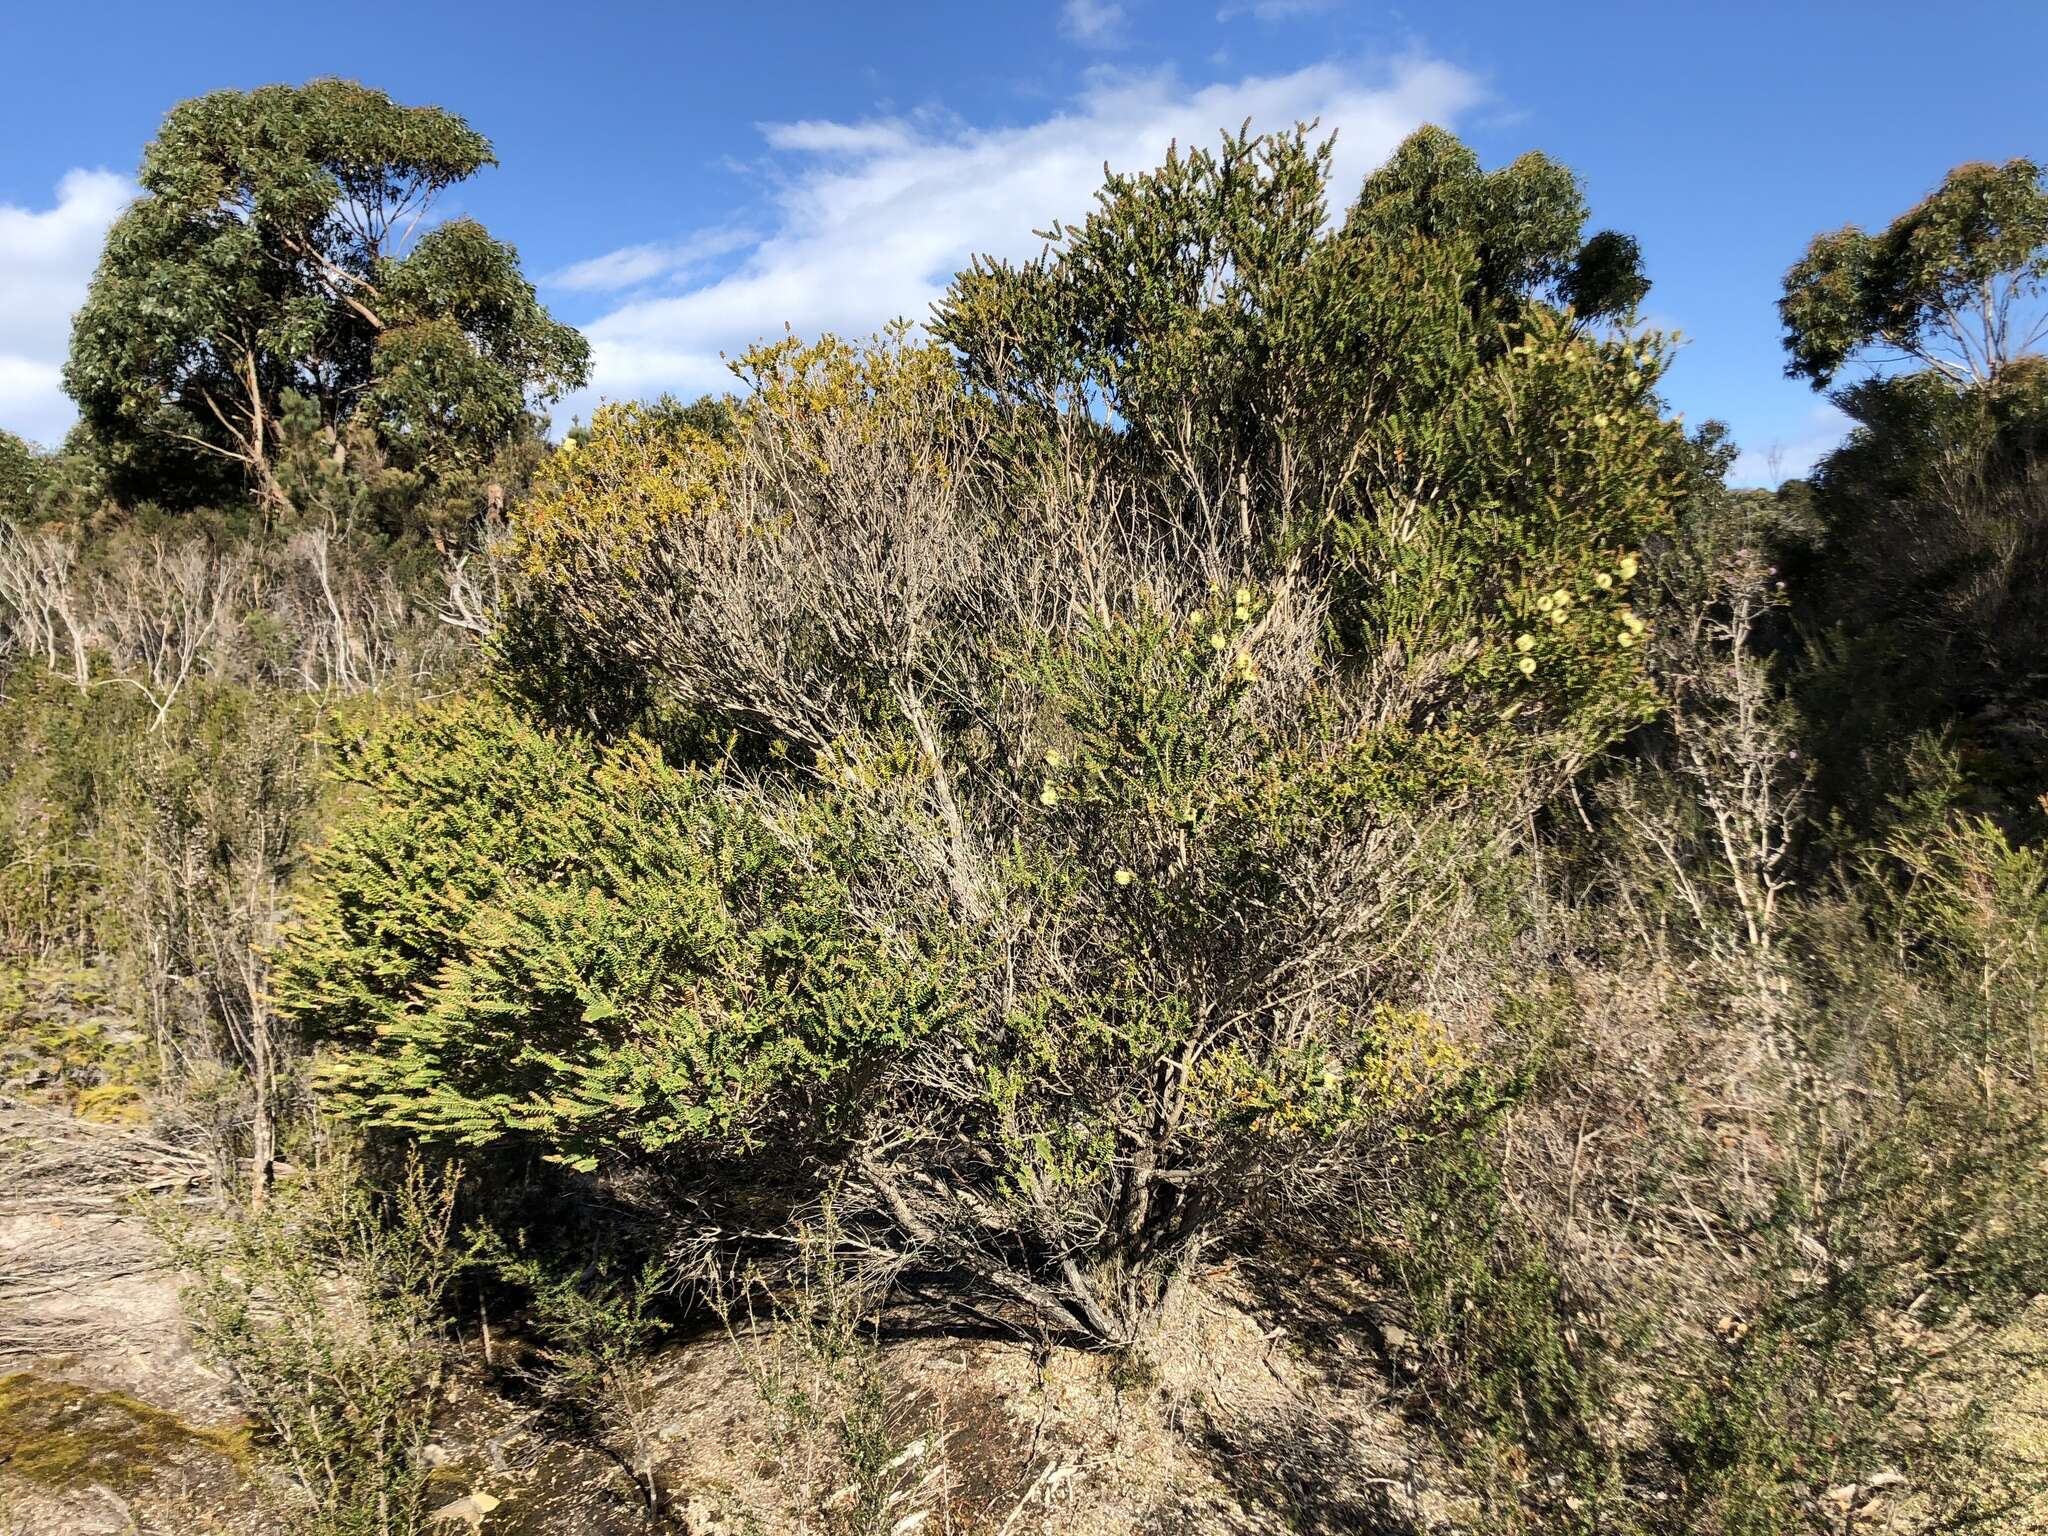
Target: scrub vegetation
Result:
[1247, 768]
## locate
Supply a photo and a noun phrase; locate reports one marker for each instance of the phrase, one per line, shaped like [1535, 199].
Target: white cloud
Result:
[871, 220]
[637, 264]
[1275, 10]
[1092, 23]
[1792, 457]
[46, 260]
[819, 137]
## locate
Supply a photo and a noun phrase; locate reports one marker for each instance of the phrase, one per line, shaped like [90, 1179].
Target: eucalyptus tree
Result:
[284, 244]
[1932, 517]
[1952, 284]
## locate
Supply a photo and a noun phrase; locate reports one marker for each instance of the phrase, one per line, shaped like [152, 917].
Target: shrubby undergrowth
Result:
[1253, 740]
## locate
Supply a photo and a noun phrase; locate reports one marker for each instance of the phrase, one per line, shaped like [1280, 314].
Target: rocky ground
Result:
[1237, 1420]
[1265, 1403]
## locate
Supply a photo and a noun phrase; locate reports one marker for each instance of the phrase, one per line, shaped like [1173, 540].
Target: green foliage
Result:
[1947, 283]
[1911, 1212]
[65, 1040]
[1742, 1439]
[597, 1326]
[521, 933]
[1257, 733]
[609, 488]
[321, 1306]
[838, 1419]
[1930, 539]
[69, 758]
[1944, 996]
[465, 346]
[21, 477]
[1917, 571]
[906, 665]
[1523, 224]
[1170, 808]
[1400, 391]
[266, 255]
[598, 1329]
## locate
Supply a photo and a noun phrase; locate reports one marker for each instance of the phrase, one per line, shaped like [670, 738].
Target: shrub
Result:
[521, 933]
[1011, 813]
[322, 1308]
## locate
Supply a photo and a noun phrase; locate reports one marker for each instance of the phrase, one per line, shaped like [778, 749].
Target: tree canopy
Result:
[1950, 284]
[1391, 390]
[276, 249]
[1523, 224]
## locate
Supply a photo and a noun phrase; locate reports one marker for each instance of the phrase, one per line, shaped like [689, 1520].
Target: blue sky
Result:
[683, 179]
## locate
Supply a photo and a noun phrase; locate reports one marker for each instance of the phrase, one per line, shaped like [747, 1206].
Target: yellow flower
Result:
[1625, 639]
[1527, 665]
[1545, 603]
[1636, 625]
[1124, 877]
[1557, 616]
[1525, 643]
[1562, 598]
[1055, 760]
[1048, 797]
[1217, 641]
[1242, 596]
[1603, 581]
[1627, 567]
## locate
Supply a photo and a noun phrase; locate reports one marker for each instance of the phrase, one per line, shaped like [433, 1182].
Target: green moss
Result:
[58, 1434]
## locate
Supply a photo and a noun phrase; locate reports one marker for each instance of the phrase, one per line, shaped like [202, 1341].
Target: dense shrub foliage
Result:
[1251, 743]
[520, 932]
